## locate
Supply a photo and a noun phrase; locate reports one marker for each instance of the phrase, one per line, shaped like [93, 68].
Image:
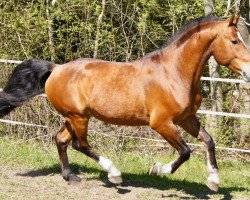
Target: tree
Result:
[98, 28]
[214, 71]
[51, 29]
[244, 28]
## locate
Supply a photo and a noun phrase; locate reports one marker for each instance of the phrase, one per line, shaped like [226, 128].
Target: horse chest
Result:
[188, 103]
[176, 102]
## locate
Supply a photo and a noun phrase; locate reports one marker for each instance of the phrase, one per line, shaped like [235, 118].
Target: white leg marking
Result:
[213, 174]
[108, 166]
[105, 163]
[166, 169]
[163, 169]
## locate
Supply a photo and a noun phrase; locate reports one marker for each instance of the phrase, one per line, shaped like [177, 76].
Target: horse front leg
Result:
[170, 132]
[63, 138]
[193, 127]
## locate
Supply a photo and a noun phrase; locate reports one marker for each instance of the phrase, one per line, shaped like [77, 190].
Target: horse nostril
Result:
[246, 76]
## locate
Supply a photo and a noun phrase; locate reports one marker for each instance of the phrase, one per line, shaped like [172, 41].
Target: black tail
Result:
[27, 80]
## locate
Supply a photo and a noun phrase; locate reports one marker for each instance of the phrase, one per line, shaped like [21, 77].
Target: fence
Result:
[247, 116]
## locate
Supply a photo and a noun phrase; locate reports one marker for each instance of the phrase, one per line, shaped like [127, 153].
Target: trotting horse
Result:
[160, 89]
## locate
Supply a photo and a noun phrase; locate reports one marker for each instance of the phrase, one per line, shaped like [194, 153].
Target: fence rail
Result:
[22, 123]
[226, 80]
[247, 151]
[10, 61]
[225, 114]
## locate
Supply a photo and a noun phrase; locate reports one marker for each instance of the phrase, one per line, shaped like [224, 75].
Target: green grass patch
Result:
[190, 178]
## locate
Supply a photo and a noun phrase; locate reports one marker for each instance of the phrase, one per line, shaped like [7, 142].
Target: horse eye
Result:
[235, 42]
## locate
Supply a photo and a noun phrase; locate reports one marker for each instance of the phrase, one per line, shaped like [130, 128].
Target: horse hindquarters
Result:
[75, 129]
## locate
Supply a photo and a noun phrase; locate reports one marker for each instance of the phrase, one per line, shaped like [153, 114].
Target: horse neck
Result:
[193, 53]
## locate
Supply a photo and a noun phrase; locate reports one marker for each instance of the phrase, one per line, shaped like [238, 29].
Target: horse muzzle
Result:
[243, 68]
[246, 76]
[245, 72]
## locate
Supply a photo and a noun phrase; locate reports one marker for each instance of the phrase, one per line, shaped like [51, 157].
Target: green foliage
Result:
[129, 30]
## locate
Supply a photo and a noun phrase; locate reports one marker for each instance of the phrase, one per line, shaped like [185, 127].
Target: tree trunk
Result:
[209, 7]
[98, 32]
[50, 30]
[215, 87]
[244, 28]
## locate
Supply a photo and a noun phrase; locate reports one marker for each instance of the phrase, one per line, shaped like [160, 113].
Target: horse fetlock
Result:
[113, 172]
[167, 169]
[159, 168]
[65, 174]
[74, 178]
[105, 163]
[214, 177]
[213, 181]
[155, 169]
[70, 176]
[213, 174]
[114, 175]
[213, 186]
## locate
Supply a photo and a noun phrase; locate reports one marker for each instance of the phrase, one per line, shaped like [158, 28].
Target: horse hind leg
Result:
[170, 132]
[80, 143]
[63, 138]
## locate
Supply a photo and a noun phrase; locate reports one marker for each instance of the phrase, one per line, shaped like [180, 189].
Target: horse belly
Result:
[119, 108]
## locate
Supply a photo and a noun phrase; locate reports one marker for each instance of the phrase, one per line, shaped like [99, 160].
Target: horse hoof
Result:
[155, 169]
[115, 180]
[74, 178]
[213, 186]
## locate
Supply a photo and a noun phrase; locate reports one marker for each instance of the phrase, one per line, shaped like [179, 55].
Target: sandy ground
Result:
[27, 184]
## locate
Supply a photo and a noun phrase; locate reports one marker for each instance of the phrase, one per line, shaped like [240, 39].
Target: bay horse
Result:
[161, 90]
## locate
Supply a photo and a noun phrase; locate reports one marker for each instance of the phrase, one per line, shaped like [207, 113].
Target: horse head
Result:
[229, 49]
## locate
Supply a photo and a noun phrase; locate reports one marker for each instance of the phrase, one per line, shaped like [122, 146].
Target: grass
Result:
[190, 178]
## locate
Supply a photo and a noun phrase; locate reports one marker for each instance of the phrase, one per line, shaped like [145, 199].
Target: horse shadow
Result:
[163, 183]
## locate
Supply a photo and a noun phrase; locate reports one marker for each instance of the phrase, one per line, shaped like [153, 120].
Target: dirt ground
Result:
[36, 184]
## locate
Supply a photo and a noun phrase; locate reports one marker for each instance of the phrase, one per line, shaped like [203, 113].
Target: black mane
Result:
[183, 30]
[191, 24]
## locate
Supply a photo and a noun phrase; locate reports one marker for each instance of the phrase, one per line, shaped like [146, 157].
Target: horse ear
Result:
[233, 20]
[236, 19]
